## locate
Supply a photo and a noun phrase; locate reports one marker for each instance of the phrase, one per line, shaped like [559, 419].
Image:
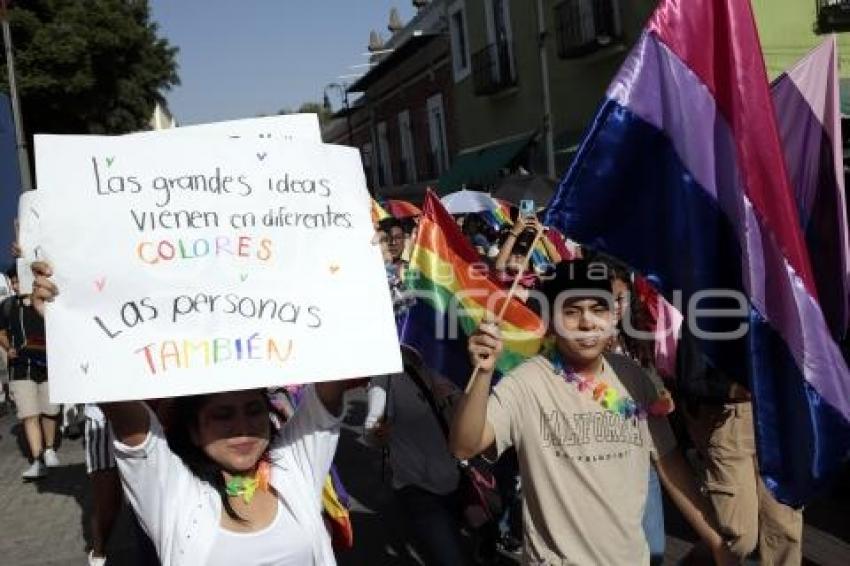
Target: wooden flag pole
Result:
[507, 302]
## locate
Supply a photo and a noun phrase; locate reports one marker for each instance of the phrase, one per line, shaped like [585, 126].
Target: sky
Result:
[251, 57]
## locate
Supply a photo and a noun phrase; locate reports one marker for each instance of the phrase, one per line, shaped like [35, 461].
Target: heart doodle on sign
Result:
[85, 367]
[109, 161]
[261, 156]
[334, 268]
[243, 277]
[100, 283]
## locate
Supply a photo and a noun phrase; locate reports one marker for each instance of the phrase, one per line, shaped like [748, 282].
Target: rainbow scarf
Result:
[447, 286]
[246, 486]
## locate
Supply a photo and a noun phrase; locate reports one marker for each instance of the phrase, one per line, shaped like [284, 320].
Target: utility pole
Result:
[548, 121]
[20, 139]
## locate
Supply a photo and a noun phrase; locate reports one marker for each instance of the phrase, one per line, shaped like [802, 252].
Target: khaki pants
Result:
[32, 399]
[747, 512]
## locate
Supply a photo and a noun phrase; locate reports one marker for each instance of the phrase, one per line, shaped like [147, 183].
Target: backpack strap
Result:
[414, 374]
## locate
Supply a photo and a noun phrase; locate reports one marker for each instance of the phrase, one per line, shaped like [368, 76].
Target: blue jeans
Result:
[653, 519]
[434, 524]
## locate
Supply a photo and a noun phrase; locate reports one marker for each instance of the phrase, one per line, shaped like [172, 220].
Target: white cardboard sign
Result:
[29, 218]
[190, 265]
[285, 128]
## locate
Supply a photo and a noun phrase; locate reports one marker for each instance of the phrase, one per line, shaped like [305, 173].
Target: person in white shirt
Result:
[223, 487]
[584, 427]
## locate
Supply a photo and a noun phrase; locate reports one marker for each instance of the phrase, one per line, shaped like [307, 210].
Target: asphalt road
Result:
[43, 523]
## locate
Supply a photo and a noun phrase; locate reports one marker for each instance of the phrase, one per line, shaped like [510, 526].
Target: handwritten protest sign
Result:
[270, 129]
[265, 130]
[196, 265]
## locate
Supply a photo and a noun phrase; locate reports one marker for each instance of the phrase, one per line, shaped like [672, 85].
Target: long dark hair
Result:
[183, 417]
[641, 350]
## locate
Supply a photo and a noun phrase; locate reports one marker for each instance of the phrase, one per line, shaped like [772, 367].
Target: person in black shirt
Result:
[22, 336]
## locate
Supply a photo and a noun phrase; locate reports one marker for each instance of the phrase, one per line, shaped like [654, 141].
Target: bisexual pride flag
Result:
[808, 115]
[682, 175]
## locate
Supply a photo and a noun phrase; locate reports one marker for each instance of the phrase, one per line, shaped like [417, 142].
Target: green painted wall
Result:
[786, 29]
[576, 85]
[484, 119]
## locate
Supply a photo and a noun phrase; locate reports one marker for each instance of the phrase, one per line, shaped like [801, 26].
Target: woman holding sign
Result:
[222, 487]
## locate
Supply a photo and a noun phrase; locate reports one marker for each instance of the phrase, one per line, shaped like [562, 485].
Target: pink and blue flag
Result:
[808, 114]
[682, 175]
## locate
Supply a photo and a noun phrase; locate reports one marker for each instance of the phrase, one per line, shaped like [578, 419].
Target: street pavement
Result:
[43, 523]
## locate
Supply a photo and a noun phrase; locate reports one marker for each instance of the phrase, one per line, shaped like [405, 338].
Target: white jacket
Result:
[182, 514]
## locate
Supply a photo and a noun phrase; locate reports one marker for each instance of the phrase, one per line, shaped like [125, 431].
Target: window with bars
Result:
[385, 169]
[584, 26]
[493, 68]
[833, 16]
[460, 46]
[407, 165]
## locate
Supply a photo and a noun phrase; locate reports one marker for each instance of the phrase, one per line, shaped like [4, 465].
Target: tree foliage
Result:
[88, 66]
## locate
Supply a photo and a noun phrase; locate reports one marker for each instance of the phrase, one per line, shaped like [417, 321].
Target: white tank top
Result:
[283, 543]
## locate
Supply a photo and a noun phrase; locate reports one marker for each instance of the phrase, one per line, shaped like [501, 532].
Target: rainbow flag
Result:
[501, 217]
[540, 257]
[498, 217]
[342, 532]
[451, 296]
[682, 175]
[378, 212]
[503, 212]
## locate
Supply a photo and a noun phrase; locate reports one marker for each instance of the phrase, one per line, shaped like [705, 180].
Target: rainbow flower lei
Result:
[607, 396]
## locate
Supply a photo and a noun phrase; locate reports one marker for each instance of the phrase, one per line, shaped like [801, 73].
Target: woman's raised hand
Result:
[44, 290]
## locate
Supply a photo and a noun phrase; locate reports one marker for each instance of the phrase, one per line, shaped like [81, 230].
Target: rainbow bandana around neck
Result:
[246, 486]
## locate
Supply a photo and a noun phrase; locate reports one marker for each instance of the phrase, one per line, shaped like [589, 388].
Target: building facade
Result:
[472, 90]
[403, 121]
[537, 71]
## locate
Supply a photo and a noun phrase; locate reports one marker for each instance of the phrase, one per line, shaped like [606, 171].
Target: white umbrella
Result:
[465, 202]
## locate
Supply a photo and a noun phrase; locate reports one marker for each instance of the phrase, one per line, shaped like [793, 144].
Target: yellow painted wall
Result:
[786, 28]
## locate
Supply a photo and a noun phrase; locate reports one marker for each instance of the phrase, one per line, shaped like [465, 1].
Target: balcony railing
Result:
[833, 16]
[493, 68]
[584, 26]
